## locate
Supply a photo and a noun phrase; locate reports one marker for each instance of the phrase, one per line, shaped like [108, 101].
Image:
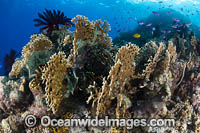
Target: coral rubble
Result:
[82, 75]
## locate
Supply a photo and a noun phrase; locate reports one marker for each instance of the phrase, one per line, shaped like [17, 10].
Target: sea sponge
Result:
[53, 75]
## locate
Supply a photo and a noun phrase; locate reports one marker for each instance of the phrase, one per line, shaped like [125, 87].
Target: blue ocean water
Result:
[17, 16]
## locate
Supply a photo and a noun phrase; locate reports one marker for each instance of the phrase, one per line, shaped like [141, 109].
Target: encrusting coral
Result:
[81, 74]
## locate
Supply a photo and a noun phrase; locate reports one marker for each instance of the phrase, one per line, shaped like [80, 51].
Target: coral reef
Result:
[51, 20]
[82, 75]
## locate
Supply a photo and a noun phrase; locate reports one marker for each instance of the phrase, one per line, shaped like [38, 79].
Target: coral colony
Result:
[82, 74]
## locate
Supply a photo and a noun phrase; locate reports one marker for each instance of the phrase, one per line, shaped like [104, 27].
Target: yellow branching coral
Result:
[172, 51]
[123, 81]
[16, 69]
[126, 55]
[35, 83]
[194, 42]
[90, 33]
[53, 76]
[67, 40]
[165, 63]
[37, 43]
[101, 33]
[153, 62]
[119, 76]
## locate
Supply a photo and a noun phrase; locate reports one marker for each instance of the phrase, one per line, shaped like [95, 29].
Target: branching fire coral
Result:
[53, 76]
[90, 33]
[34, 54]
[120, 83]
[37, 43]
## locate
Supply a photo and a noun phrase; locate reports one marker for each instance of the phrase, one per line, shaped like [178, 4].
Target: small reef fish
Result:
[136, 35]
[119, 30]
[174, 26]
[141, 23]
[101, 4]
[135, 19]
[163, 31]
[176, 20]
[124, 29]
[164, 37]
[155, 13]
[188, 24]
[169, 31]
[129, 18]
[180, 25]
[148, 25]
[169, 12]
[153, 28]
[178, 30]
